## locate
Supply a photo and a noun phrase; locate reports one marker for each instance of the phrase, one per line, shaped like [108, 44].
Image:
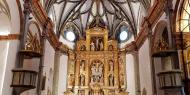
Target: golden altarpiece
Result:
[96, 67]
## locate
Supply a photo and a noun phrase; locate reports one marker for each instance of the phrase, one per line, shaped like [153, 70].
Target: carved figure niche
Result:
[97, 72]
[163, 43]
[82, 65]
[111, 79]
[97, 44]
[82, 80]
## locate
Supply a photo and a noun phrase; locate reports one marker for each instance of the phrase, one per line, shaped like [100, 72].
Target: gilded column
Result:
[87, 41]
[105, 40]
[87, 66]
[106, 76]
[56, 72]
[116, 72]
[77, 74]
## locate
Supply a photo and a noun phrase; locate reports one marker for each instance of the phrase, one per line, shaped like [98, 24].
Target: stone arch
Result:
[159, 29]
[182, 10]
[34, 27]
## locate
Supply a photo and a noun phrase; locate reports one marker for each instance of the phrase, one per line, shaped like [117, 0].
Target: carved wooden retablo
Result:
[96, 67]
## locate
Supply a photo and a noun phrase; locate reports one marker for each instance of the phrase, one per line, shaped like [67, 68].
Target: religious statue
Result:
[82, 80]
[97, 72]
[111, 80]
[162, 44]
[111, 65]
[97, 44]
[101, 46]
[82, 65]
[92, 46]
[71, 80]
[100, 72]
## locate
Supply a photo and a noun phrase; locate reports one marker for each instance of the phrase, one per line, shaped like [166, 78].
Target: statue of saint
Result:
[111, 80]
[82, 80]
[92, 46]
[71, 80]
[93, 70]
[111, 65]
[82, 65]
[101, 46]
[100, 71]
[97, 44]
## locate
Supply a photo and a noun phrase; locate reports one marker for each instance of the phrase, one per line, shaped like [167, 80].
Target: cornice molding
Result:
[9, 37]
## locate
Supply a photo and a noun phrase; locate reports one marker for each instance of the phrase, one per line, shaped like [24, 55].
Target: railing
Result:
[23, 79]
[170, 79]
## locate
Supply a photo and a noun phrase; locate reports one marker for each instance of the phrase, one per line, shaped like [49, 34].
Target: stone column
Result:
[23, 38]
[56, 72]
[136, 71]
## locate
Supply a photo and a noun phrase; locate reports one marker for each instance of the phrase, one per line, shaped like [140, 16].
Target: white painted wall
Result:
[15, 17]
[4, 45]
[145, 69]
[10, 64]
[63, 74]
[48, 68]
[3, 57]
[9, 48]
[130, 74]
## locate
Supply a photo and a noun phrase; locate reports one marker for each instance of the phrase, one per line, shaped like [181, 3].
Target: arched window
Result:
[183, 21]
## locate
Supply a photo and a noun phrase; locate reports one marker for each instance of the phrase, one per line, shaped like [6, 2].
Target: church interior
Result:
[95, 47]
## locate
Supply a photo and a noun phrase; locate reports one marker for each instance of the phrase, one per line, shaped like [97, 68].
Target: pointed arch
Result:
[159, 29]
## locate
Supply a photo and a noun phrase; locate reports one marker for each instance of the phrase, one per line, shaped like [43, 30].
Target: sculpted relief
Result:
[97, 72]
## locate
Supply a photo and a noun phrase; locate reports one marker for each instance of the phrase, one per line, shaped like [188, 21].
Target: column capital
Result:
[58, 52]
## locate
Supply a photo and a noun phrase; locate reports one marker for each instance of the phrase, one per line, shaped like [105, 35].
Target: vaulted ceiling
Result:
[81, 13]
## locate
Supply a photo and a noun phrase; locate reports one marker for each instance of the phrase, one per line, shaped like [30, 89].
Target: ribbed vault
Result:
[82, 12]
